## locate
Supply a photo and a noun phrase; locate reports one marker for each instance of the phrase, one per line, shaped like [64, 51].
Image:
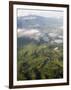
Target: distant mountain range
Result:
[38, 30]
[38, 22]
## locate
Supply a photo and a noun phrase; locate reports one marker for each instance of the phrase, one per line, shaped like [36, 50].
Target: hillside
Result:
[39, 47]
[40, 62]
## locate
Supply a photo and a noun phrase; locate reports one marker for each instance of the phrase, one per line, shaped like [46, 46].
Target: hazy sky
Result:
[48, 13]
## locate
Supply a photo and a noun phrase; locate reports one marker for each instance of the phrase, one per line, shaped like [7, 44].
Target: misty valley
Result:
[39, 47]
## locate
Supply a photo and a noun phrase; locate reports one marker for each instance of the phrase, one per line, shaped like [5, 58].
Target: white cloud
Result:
[28, 33]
